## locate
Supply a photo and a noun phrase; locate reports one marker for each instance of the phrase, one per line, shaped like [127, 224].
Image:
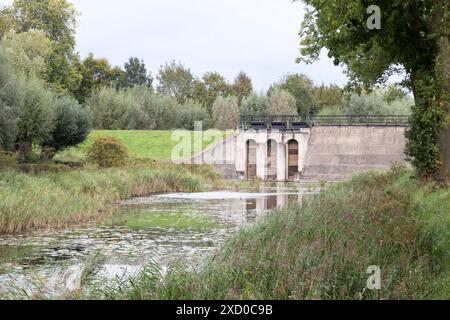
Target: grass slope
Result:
[323, 250]
[155, 145]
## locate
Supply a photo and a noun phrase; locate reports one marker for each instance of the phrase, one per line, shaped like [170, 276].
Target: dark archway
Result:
[251, 159]
[293, 154]
[272, 160]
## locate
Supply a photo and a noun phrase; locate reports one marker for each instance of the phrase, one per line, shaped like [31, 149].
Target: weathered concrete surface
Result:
[324, 153]
[334, 153]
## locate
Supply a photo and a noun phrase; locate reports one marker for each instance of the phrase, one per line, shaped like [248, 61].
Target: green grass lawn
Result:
[155, 145]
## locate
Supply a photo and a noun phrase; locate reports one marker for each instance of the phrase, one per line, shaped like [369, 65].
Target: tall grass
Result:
[323, 250]
[34, 201]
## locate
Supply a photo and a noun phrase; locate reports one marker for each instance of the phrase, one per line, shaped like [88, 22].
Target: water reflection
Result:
[164, 228]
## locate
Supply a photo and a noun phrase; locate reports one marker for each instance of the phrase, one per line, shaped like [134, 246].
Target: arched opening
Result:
[251, 159]
[272, 158]
[293, 169]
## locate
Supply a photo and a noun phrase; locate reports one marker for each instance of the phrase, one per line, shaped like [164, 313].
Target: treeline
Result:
[50, 96]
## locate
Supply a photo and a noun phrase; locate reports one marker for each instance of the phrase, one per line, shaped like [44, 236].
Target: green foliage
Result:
[242, 87]
[9, 104]
[394, 93]
[57, 19]
[325, 97]
[114, 110]
[36, 119]
[212, 86]
[28, 52]
[176, 80]
[299, 86]
[72, 124]
[281, 102]
[254, 105]
[135, 74]
[225, 113]
[414, 37]
[376, 104]
[96, 73]
[426, 122]
[108, 152]
[191, 112]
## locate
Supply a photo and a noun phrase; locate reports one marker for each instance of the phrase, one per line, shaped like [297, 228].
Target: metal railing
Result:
[275, 122]
[299, 122]
[361, 120]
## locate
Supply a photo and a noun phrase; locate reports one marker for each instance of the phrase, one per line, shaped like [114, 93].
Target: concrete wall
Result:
[329, 153]
[334, 153]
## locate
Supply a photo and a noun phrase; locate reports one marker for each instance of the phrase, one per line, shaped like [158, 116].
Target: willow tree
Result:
[375, 39]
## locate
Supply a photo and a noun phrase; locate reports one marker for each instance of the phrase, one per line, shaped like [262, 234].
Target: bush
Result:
[71, 126]
[107, 152]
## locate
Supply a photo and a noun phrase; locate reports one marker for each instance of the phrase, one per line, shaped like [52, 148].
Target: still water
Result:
[164, 228]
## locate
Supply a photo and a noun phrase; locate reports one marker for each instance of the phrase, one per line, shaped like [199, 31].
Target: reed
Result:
[55, 200]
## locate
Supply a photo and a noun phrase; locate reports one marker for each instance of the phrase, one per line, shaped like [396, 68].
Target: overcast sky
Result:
[259, 37]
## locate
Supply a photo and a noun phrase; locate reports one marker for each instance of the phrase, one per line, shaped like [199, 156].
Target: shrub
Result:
[107, 152]
[71, 126]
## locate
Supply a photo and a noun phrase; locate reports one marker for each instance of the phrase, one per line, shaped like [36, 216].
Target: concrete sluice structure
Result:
[320, 152]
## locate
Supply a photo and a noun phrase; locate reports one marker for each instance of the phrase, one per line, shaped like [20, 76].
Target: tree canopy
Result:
[413, 36]
[57, 19]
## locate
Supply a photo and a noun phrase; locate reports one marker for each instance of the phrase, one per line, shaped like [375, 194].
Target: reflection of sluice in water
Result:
[272, 202]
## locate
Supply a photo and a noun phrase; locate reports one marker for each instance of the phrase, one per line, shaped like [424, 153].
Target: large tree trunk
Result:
[441, 26]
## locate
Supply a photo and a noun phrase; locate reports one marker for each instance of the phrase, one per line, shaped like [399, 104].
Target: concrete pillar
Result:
[261, 160]
[281, 162]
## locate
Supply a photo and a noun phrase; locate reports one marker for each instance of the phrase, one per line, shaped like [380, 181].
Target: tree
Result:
[176, 80]
[254, 105]
[57, 19]
[225, 113]
[135, 74]
[191, 112]
[299, 86]
[281, 103]
[213, 85]
[325, 97]
[96, 73]
[29, 52]
[242, 87]
[36, 116]
[393, 93]
[114, 110]
[9, 104]
[414, 35]
[72, 124]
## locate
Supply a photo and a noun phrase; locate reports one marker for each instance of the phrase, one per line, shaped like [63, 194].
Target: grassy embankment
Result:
[35, 196]
[154, 145]
[323, 250]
